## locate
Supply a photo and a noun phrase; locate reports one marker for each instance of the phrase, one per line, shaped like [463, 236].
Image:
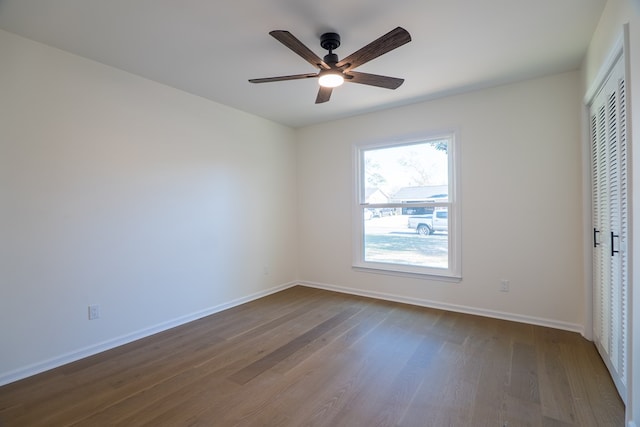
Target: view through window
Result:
[406, 207]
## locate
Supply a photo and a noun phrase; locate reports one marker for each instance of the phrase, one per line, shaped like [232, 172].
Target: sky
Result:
[420, 157]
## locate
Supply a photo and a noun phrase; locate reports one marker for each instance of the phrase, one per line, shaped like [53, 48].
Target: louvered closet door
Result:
[610, 223]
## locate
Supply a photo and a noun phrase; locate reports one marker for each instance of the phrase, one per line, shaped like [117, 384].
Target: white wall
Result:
[521, 201]
[114, 190]
[616, 14]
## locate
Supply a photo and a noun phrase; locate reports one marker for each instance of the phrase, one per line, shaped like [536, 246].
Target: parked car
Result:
[430, 223]
[380, 212]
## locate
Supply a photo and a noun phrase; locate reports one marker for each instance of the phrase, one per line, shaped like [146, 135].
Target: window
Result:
[406, 213]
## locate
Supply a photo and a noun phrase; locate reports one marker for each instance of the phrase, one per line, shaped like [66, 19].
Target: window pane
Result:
[413, 177]
[406, 169]
[418, 240]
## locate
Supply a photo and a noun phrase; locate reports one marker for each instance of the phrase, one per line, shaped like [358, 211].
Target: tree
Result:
[440, 145]
[420, 164]
[419, 175]
[372, 174]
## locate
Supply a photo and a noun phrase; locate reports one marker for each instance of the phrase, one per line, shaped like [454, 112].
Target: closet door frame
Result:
[618, 53]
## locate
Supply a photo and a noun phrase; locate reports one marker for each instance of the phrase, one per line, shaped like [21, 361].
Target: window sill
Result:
[414, 275]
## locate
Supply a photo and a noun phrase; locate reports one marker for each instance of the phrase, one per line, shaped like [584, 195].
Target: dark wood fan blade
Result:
[282, 78]
[323, 94]
[289, 40]
[374, 80]
[393, 39]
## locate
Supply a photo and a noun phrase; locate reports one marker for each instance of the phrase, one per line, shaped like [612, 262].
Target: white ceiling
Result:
[212, 47]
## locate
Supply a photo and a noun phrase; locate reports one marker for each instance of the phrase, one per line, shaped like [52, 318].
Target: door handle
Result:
[595, 237]
[613, 251]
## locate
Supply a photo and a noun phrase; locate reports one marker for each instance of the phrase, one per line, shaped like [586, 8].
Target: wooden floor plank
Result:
[489, 404]
[267, 362]
[431, 405]
[326, 382]
[524, 373]
[213, 372]
[557, 400]
[321, 379]
[308, 357]
[401, 339]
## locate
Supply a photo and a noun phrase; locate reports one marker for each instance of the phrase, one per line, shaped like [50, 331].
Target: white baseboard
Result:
[572, 327]
[73, 356]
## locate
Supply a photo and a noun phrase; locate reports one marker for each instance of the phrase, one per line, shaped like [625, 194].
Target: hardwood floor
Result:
[306, 357]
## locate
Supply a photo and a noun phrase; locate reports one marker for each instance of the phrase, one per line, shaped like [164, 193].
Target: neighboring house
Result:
[375, 195]
[419, 194]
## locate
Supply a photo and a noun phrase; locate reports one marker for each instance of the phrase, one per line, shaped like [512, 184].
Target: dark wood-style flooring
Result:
[307, 357]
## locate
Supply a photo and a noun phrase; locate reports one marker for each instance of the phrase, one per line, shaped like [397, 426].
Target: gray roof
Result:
[420, 193]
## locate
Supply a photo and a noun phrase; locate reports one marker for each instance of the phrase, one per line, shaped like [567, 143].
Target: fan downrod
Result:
[330, 41]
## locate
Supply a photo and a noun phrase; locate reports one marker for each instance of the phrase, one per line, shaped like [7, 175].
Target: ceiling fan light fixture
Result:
[333, 72]
[331, 79]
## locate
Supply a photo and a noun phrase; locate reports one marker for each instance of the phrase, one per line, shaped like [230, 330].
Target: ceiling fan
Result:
[334, 72]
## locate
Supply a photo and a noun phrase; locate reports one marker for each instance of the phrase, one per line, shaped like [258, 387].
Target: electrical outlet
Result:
[94, 312]
[504, 286]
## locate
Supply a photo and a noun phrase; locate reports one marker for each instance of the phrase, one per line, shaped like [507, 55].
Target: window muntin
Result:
[406, 211]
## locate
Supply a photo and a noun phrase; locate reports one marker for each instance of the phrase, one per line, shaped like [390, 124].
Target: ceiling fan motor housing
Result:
[330, 41]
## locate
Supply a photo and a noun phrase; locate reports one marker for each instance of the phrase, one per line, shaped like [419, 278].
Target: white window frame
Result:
[453, 203]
